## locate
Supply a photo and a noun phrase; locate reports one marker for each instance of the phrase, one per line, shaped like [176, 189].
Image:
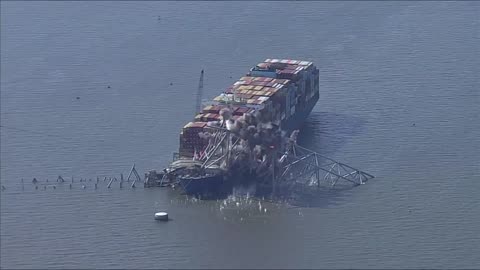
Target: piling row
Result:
[72, 183]
[83, 181]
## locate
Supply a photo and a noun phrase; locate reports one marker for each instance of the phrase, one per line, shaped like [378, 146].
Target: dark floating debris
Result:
[78, 97]
[108, 87]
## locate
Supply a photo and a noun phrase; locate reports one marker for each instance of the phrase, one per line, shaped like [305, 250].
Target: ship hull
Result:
[297, 120]
[214, 186]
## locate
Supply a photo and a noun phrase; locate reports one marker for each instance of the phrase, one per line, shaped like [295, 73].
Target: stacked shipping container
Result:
[276, 88]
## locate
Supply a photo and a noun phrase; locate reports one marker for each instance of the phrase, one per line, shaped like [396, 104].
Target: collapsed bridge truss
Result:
[296, 165]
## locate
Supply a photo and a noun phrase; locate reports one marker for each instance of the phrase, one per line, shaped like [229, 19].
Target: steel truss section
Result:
[297, 165]
[215, 153]
[302, 165]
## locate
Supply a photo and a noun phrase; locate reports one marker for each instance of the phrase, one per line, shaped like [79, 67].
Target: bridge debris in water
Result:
[274, 171]
[70, 184]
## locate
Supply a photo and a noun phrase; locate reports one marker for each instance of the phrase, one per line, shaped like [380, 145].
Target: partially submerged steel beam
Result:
[300, 160]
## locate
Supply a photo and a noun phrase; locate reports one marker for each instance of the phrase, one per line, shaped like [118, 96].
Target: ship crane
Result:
[198, 105]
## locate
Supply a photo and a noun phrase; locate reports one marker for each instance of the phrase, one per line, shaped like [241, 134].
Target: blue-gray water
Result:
[399, 99]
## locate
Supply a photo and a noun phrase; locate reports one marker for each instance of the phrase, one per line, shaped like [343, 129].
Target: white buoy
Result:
[161, 216]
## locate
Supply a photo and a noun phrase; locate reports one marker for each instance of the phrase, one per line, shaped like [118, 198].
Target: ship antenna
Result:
[198, 106]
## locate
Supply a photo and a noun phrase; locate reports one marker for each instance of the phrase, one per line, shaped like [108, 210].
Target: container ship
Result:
[240, 135]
